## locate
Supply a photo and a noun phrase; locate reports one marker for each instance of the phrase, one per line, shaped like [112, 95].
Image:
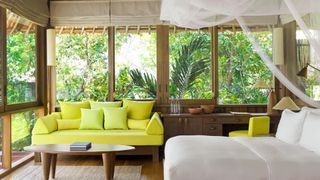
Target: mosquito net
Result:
[298, 72]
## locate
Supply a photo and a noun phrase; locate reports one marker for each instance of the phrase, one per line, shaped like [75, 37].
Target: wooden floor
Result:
[150, 170]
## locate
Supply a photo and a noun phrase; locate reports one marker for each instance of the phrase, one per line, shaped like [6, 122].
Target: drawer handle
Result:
[213, 128]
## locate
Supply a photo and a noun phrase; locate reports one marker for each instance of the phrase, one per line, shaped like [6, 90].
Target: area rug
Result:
[80, 173]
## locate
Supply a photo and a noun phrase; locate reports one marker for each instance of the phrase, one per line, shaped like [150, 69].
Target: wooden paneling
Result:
[111, 63]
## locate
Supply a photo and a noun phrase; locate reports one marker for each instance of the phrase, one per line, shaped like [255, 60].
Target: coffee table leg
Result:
[53, 165]
[46, 161]
[108, 164]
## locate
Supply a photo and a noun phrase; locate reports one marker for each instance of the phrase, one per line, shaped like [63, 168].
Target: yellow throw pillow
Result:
[72, 110]
[115, 118]
[91, 119]
[45, 124]
[64, 124]
[101, 105]
[138, 110]
[155, 126]
[138, 124]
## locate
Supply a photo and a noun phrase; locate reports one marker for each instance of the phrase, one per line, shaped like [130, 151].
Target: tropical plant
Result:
[145, 81]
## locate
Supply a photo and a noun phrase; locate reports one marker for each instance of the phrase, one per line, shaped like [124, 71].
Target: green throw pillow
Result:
[138, 110]
[91, 119]
[115, 118]
[65, 124]
[72, 110]
[101, 105]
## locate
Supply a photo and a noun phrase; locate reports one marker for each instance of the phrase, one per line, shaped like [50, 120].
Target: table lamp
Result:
[286, 103]
[261, 84]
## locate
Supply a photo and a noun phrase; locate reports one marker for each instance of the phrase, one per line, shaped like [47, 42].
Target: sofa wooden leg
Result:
[155, 154]
[37, 157]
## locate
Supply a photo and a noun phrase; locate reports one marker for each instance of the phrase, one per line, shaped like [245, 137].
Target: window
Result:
[21, 60]
[135, 63]
[190, 65]
[82, 67]
[21, 128]
[240, 67]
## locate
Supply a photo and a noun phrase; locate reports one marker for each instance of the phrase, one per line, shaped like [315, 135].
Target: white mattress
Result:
[240, 158]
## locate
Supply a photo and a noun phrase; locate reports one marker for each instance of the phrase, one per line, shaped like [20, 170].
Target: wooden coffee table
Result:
[49, 154]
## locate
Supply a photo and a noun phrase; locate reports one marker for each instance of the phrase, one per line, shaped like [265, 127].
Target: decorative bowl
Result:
[195, 110]
[207, 108]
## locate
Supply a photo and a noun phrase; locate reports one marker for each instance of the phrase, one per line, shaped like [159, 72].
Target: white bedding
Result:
[240, 158]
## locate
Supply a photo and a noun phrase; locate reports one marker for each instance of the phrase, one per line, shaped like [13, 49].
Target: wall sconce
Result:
[304, 71]
[277, 46]
[51, 47]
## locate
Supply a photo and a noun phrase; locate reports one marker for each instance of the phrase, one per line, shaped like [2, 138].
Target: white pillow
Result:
[310, 137]
[290, 126]
[308, 109]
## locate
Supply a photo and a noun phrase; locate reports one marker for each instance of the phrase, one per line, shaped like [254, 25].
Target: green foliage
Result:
[144, 82]
[82, 67]
[240, 67]
[190, 70]
[21, 68]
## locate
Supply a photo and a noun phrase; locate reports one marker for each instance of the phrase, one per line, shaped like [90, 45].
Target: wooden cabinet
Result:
[215, 124]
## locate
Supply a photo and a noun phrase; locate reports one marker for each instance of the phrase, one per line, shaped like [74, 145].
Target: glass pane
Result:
[136, 67]
[21, 59]
[190, 65]
[82, 67]
[21, 128]
[240, 68]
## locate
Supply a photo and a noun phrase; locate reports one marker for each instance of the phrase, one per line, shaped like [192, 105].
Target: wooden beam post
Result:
[3, 55]
[6, 142]
[111, 64]
[162, 64]
[214, 63]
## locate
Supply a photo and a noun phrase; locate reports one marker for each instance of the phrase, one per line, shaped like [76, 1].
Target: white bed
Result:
[239, 158]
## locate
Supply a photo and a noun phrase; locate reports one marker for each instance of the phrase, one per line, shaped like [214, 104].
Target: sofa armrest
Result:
[155, 126]
[46, 124]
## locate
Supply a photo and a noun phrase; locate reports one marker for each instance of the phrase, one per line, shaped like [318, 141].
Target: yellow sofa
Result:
[146, 141]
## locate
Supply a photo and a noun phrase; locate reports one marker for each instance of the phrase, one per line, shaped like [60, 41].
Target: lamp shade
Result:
[286, 103]
[51, 47]
[261, 84]
[277, 46]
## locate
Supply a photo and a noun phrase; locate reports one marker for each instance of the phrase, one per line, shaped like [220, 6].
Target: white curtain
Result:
[96, 12]
[204, 13]
[33, 10]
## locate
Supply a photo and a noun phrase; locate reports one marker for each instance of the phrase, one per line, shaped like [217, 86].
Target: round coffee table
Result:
[49, 154]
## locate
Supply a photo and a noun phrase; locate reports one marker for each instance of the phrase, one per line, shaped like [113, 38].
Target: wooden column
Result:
[42, 77]
[214, 63]
[111, 63]
[162, 64]
[6, 142]
[3, 51]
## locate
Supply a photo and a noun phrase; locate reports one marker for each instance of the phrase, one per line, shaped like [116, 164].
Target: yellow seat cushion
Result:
[155, 126]
[64, 124]
[138, 109]
[259, 126]
[138, 124]
[125, 137]
[46, 124]
[72, 110]
[238, 133]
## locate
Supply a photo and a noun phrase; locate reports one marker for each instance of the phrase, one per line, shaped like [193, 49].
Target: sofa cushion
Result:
[46, 124]
[72, 110]
[155, 126]
[101, 105]
[115, 118]
[138, 124]
[125, 137]
[138, 109]
[91, 119]
[64, 124]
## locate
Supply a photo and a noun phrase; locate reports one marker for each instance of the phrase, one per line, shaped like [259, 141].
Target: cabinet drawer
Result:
[210, 120]
[212, 129]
